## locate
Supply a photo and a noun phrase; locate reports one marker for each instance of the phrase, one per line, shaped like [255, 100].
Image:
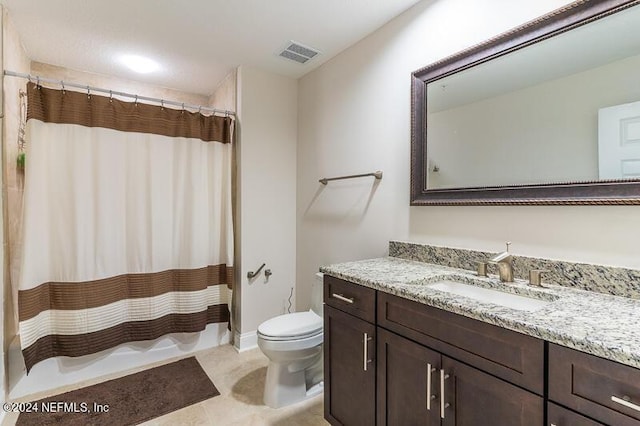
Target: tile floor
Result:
[240, 379]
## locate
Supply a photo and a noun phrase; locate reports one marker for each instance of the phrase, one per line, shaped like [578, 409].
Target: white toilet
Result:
[293, 344]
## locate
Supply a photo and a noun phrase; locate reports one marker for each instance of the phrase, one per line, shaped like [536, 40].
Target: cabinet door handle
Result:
[341, 297]
[625, 400]
[429, 396]
[443, 405]
[365, 351]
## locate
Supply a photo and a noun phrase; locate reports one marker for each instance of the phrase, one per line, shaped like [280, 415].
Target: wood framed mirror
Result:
[545, 114]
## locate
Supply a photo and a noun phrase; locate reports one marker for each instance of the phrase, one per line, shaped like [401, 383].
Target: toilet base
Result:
[284, 387]
[316, 389]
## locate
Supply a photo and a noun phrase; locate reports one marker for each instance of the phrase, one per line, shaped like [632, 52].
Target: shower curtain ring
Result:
[182, 108]
[136, 102]
[62, 84]
[38, 82]
[88, 92]
[200, 109]
[162, 103]
[110, 96]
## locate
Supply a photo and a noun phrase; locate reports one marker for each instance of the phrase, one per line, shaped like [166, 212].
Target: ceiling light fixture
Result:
[139, 64]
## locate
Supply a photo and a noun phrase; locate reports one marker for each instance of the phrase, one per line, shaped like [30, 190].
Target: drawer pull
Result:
[365, 351]
[341, 297]
[625, 401]
[429, 396]
[443, 377]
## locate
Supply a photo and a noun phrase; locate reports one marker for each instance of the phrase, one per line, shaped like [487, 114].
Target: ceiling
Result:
[198, 42]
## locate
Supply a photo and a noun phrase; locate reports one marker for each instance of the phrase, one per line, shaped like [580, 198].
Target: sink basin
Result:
[513, 301]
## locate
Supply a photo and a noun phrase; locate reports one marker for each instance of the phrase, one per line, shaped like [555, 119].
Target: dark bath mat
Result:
[131, 399]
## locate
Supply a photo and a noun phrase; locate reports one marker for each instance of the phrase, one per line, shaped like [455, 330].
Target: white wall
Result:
[14, 58]
[224, 97]
[267, 137]
[354, 115]
[4, 262]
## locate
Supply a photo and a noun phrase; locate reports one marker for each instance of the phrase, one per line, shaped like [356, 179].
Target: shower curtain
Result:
[127, 223]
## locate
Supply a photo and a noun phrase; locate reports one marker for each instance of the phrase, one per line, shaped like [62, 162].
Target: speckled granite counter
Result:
[599, 324]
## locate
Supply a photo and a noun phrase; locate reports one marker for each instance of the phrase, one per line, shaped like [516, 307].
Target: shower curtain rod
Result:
[38, 80]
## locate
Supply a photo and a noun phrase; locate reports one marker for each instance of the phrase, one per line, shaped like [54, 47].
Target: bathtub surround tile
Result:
[130, 399]
[602, 279]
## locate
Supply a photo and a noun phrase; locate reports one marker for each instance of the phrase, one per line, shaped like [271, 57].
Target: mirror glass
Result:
[565, 109]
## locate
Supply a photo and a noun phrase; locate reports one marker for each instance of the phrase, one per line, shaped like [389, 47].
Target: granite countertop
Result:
[599, 324]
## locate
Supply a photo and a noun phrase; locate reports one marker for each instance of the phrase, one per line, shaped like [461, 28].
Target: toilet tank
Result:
[316, 294]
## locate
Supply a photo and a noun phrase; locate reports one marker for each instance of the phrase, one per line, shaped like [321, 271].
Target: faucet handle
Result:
[535, 276]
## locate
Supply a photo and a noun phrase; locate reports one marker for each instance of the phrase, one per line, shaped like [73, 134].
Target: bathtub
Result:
[57, 372]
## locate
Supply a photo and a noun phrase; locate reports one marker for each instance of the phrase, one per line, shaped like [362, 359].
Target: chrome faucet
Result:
[505, 267]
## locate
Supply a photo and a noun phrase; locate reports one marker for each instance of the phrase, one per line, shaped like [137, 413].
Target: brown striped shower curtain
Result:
[127, 223]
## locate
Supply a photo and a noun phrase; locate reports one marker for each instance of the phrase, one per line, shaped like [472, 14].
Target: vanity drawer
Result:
[592, 385]
[352, 298]
[558, 416]
[506, 354]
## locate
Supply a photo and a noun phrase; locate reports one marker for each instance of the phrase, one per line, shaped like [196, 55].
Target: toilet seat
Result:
[291, 344]
[290, 338]
[294, 326]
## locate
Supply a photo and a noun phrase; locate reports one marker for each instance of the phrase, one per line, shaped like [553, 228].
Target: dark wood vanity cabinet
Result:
[392, 361]
[604, 390]
[508, 355]
[349, 353]
[411, 380]
[419, 382]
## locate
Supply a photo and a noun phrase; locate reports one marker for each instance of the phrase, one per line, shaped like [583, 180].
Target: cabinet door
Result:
[349, 365]
[474, 398]
[408, 388]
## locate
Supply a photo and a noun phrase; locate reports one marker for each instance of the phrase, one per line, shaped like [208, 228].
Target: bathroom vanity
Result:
[399, 350]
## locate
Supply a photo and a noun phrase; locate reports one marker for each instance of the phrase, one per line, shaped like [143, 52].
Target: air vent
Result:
[297, 52]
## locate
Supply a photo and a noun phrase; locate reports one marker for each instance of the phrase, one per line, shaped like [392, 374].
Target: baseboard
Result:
[246, 341]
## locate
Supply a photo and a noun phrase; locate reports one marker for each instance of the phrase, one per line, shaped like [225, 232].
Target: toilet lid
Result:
[292, 325]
